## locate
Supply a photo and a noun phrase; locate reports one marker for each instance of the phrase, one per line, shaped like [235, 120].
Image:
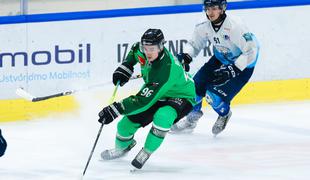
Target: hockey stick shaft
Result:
[99, 132]
[42, 98]
[36, 99]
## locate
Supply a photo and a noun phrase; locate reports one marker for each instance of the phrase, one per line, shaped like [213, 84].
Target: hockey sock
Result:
[198, 100]
[125, 133]
[163, 120]
[222, 108]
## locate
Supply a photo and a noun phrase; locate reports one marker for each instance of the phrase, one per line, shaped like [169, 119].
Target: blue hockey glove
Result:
[122, 73]
[225, 73]
[185, 59]
[3, 144]
[109, 113]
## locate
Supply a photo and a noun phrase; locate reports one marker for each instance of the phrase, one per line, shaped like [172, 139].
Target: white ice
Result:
[265, 141]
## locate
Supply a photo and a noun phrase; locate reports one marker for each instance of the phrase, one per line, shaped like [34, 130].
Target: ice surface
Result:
[265, 141]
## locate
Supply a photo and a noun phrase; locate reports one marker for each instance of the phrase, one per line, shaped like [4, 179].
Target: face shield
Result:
[215, 5]
[152, 43]
[149, 48]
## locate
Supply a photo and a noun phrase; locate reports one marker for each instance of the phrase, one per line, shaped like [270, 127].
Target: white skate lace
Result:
[220, 122]
[142, 157]
[114, 152]
[194, 116]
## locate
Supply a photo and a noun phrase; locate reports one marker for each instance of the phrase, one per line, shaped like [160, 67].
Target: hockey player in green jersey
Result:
[166, 96]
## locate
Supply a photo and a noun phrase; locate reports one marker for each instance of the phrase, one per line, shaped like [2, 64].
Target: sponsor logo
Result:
[59, 75]
[58, 55]
[220, 91]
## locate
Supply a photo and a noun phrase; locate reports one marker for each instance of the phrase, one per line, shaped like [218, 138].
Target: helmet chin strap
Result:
[159, 55]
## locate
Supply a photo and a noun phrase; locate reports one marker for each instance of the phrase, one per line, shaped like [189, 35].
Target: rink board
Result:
[254, 92]
[43, 59]
[20, 109]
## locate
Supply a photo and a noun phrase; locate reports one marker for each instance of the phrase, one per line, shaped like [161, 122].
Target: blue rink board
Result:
[144, 11]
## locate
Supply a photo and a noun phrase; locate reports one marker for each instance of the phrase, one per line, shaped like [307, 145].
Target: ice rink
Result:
[265, 141]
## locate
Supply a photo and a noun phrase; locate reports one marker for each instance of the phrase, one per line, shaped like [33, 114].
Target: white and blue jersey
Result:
[233, 43]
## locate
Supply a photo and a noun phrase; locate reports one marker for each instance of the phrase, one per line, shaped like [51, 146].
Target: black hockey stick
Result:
[99, 132]
[26, 95]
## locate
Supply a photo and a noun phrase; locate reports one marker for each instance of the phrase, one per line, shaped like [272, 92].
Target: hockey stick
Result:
[26, 95]
[99, 132]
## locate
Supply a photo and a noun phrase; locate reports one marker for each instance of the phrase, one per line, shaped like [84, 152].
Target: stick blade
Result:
[24, 94]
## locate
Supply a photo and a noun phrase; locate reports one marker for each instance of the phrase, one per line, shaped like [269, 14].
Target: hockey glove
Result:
[185, 59]
[122, 73]
[225, 73]
[109, 113]
[3, 144]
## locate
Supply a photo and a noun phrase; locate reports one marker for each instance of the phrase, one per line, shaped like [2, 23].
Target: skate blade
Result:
[185, 131]
[113, 158]
[137, 171]
[216, 135]
[134, 170]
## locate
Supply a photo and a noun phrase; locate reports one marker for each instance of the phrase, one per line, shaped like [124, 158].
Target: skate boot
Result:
[140, 159]
[117, 153]
[188, 124]
[220, 124]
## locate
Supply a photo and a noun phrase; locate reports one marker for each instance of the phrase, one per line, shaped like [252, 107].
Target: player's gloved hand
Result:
[3, 144]
[185, 59]
[109, 113]
[122, 73]
[225, 73]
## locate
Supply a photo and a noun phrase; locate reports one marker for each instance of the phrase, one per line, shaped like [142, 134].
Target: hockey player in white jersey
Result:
[235, 51]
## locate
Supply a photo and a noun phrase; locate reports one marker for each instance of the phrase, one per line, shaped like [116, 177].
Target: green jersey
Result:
[164, 78]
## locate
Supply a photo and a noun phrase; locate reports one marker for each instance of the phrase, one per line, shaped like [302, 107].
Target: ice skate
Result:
[140, 159]
[117, 153]
[188, 124]
[220, 123]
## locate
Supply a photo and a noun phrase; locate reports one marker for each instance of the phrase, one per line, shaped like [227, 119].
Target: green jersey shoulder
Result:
[164, 78]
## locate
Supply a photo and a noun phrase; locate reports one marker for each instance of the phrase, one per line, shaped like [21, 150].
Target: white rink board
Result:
[282, 33]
